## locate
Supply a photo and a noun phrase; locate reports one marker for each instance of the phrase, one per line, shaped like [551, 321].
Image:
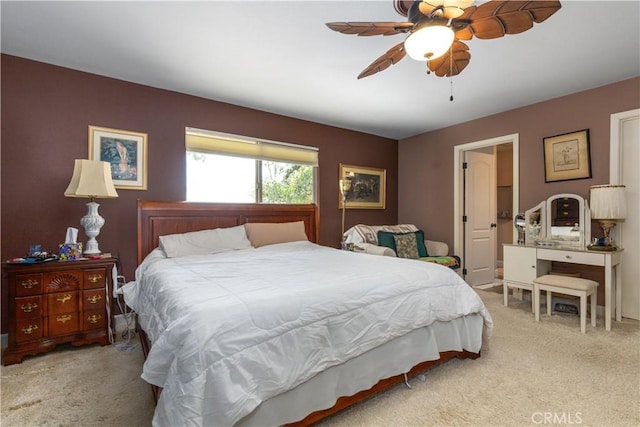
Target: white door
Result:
[480, 213]
[625, 162]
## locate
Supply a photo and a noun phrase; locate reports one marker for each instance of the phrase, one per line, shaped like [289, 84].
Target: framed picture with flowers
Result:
[566, 156]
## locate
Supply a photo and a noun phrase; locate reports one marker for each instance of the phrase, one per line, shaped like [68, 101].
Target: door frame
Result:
[615, 158]
[458, 181]
[615, 167]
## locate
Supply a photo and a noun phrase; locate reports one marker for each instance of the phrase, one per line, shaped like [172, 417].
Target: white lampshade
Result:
[608, 202]
[91, 179]
[429, 42]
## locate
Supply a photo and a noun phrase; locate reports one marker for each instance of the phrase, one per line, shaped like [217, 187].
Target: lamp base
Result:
[92, 223]
[605, 243]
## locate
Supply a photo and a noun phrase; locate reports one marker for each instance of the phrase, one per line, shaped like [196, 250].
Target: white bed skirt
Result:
[393, 358]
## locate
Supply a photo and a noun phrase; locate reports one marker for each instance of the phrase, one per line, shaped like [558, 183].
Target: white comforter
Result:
[231, 330]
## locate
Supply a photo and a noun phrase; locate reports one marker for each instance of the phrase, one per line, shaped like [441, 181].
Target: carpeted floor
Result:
[533, 374]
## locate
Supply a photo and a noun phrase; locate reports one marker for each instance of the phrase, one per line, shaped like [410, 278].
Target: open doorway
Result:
[486, 187]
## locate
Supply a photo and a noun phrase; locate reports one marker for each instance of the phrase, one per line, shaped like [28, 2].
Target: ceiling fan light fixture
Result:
[429, 42]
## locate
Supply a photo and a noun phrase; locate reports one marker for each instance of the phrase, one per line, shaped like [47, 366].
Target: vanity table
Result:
[559, 229]
[537, 262]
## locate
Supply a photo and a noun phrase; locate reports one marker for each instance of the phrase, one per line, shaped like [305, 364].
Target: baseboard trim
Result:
[488, 285]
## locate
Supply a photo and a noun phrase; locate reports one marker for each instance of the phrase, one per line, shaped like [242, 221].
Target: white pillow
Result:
[205, 242]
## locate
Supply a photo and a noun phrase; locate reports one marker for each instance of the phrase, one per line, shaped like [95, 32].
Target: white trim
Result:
[615, 177]
[458, 155]
[615, 156]
[615, 159]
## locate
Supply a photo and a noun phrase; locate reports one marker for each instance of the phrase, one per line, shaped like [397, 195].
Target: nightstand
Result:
[57, 302]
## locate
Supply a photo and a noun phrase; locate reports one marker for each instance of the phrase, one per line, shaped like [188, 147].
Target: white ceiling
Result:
[278, 56]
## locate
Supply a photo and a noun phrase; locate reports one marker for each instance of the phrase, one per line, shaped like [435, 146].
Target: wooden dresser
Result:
[57, 302]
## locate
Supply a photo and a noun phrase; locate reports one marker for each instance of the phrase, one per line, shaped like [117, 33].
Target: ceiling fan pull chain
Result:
[451, 97]
[428, 70]
[451, 70]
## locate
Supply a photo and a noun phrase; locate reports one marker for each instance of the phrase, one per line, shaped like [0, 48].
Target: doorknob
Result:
[494, 225]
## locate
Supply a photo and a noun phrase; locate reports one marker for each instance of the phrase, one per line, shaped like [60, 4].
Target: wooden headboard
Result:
[156, 219]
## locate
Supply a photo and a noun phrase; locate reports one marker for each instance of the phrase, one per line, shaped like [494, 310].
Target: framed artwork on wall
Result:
[362, 187]
[567, 157]
[125, 151]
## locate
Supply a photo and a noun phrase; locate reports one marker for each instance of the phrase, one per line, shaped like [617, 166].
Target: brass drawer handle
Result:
[29, 329]
[94, 298]
[28, 284]
[64, 318]
[94, 318]
[28, 307]
[94, 278]
[64, 298]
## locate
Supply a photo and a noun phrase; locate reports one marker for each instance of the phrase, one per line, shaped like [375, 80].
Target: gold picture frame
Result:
[362, 187]
[566, 156]
[125, 151]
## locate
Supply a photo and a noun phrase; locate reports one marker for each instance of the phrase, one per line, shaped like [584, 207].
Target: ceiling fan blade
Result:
[453, 62]
[370, 28]
[496, 18]
[392, 56]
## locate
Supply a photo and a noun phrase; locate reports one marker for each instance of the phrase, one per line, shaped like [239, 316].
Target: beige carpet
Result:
[533, 374]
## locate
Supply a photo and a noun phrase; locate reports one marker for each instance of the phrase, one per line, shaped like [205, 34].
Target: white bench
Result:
[569, 286]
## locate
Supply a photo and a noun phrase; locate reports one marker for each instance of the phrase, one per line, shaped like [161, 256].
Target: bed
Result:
[249, 337]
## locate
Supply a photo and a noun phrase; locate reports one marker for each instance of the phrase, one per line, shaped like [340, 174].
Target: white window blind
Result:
[204, 141]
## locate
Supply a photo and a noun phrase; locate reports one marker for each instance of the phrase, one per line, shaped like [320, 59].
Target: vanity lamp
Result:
[608, 206]
[91, 179]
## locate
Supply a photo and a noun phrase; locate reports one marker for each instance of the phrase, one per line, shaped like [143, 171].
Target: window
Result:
[235, 169]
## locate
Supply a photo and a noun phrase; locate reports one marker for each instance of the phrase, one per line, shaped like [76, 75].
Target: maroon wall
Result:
[425, 161]
[46, 111]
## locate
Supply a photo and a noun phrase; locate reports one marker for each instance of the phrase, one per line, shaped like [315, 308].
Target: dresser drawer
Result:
[28, 330]
[95, 278]
[63, 302]
[590, 258]
[63, 281]
[93, 299]
[94, 319]
[28, 307]
[64, 323]
[28, 284]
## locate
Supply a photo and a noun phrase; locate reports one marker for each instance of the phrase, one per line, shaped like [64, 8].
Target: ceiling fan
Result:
[436, 28]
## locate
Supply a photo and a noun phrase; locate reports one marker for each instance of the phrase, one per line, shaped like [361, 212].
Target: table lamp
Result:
[91, 179]
[608, 206]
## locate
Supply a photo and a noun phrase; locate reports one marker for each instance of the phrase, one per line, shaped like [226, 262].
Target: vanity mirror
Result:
[568, 220]
[535, 223]
[562, 219]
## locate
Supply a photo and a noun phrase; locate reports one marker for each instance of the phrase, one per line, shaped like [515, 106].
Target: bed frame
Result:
[156, 219]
